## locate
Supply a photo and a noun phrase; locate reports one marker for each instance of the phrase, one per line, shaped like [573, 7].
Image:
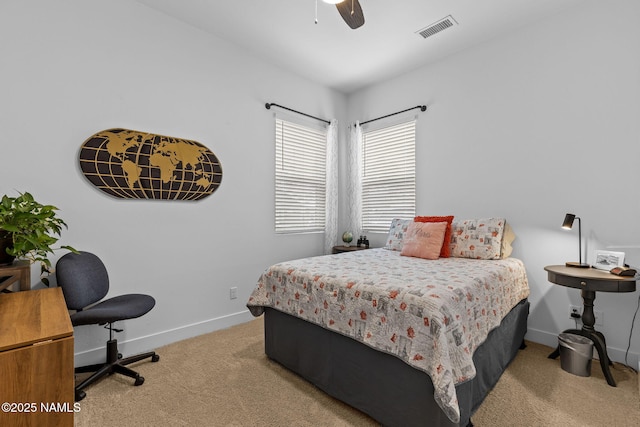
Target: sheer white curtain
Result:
[354, 184]
[331, 199]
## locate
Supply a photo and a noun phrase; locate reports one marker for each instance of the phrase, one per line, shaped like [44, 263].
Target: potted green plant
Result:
[28, 230]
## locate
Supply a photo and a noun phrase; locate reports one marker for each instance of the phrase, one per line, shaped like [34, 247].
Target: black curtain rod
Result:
[269, 105]
[421, 107]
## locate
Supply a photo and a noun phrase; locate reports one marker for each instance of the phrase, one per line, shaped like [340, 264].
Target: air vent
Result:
[436, 27]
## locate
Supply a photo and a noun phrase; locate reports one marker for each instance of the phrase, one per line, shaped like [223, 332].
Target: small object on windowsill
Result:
[347, 238]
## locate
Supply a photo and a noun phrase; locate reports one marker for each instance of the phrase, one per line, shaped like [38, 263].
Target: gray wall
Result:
[75, 67]
[530, 127]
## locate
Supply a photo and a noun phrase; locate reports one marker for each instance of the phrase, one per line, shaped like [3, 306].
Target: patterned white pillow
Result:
[397, 232]
[477, 238]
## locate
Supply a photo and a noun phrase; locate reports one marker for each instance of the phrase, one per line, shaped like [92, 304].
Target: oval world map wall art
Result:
[130, 164]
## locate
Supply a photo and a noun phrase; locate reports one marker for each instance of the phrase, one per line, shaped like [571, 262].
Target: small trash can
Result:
[576, 353]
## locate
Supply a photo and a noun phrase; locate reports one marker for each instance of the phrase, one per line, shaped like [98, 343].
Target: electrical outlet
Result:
[233, 293]
[575, 312]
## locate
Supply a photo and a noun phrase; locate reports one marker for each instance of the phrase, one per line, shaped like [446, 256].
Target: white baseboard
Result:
[551, 340]
[150, 342]
[159, 339]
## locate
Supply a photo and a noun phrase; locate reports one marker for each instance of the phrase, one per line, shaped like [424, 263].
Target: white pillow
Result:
[397, 232]
[507, 239]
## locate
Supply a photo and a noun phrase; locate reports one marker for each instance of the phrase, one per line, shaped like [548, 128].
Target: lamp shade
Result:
[333, 1]
[568, 221]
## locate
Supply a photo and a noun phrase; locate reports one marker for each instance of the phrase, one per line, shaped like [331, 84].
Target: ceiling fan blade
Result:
[351, 12]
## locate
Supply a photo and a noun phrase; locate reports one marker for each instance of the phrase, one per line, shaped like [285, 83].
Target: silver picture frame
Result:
[606, 260]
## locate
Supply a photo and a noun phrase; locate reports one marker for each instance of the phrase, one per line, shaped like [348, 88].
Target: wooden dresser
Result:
[36, 359]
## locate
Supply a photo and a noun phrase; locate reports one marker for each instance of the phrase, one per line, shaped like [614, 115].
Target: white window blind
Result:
[388, 175]
[300, 178]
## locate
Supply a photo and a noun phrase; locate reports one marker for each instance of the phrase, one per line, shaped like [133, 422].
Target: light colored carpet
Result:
[224, 379]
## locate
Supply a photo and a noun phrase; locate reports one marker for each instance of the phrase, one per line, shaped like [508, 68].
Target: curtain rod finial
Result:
[267, 106]
[423, 108]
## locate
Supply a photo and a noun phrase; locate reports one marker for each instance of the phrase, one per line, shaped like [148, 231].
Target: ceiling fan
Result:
[350, 11]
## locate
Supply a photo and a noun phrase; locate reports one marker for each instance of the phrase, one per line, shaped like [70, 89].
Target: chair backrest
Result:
[83, 279]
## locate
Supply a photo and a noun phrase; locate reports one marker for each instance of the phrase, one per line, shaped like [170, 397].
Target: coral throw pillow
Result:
[424, 239]
[445, 252]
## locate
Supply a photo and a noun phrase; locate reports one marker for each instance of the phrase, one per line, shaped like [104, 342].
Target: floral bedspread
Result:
[432, 314]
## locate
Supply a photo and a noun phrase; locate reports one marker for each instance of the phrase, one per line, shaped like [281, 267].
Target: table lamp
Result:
[567, 225]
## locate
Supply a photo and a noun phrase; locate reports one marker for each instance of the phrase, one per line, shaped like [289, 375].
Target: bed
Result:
[407, 340]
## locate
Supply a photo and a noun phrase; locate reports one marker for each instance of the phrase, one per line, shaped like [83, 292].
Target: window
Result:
[388, 175]
[300, 178]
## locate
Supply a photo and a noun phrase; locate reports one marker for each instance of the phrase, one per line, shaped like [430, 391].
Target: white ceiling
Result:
[283, 32]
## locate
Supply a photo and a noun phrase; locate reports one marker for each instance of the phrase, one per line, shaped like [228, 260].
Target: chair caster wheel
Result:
[80, 395]
[139, 381]
[155, 358]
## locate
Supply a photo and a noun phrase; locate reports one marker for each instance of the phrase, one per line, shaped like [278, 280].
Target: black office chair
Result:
[84, 281]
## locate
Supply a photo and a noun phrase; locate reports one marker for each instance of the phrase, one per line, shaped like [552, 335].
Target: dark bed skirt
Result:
[381, 385]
